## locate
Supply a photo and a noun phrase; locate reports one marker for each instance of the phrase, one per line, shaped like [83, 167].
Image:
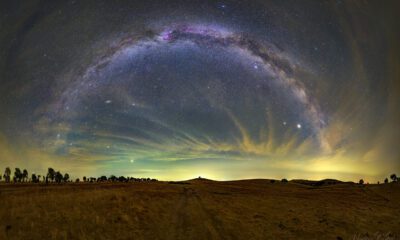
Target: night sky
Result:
[218, 89]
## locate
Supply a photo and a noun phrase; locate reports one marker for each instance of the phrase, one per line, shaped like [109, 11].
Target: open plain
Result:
[199, 209]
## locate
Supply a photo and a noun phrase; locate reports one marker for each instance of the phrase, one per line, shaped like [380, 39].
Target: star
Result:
[222, 6]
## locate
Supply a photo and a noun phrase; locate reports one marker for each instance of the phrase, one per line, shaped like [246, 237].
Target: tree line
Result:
[58, 177]
[393, 177]
[53, 176]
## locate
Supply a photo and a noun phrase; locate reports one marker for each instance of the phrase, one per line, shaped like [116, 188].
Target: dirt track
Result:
[190, 209]
[253, 209]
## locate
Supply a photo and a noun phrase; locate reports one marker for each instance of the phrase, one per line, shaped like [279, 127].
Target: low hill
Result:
[323, 182]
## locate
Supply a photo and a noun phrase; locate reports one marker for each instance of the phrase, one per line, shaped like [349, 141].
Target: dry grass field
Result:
[199, 209]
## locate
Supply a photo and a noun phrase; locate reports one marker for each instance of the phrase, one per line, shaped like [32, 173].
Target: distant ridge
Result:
[314, 183]
[200, 179]
[193, 180]
[323, 182]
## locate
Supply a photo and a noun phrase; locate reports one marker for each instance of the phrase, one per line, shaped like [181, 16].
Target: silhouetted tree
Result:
[17, 175]
[50, 174]
[66, 177]
[25, 175]
[122, 179]
[284, 180]
[113, 178]
[7, 174]
[103, 179]
[393, 177]
[34, 178]
[361, 181]
[58, 176]
[386, 180]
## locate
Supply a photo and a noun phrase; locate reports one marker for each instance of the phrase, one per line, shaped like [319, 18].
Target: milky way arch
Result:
[265, 54]
[267, 57]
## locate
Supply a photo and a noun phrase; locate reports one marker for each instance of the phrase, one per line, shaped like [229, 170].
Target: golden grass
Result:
[251, 209]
